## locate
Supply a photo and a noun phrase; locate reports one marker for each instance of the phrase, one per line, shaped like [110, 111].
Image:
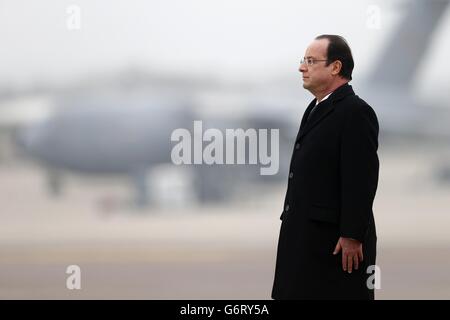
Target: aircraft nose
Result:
[31, 136]
[20, 139]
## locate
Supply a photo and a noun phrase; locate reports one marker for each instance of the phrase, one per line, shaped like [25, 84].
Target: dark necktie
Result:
[311, 112]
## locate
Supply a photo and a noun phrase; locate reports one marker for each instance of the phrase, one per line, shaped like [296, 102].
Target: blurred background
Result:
[90, 92]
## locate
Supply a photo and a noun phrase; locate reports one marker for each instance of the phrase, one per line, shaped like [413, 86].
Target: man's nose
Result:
[302, 68]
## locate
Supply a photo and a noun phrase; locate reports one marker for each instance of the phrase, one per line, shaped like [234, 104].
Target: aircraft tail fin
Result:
[399, 62]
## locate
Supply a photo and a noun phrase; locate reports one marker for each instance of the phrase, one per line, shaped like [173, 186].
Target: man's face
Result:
[317, 76]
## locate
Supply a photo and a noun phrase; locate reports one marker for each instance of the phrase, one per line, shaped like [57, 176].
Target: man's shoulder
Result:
[354, 104]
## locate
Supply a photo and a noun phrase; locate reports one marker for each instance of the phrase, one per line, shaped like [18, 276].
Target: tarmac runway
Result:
[203, 252]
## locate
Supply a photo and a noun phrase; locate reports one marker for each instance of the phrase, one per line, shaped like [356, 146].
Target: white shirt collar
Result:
[324, 98]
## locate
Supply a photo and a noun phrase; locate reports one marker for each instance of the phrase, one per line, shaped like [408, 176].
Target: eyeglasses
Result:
[310, 61]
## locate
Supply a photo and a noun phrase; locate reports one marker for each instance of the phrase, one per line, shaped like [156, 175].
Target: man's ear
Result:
[336, 68]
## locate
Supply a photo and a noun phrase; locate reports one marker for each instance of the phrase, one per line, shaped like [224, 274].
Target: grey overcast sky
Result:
[232, 38]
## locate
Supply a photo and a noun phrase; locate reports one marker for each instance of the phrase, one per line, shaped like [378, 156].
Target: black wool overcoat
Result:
[332, 183]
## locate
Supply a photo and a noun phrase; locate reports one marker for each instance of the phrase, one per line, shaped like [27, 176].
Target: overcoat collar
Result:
[324, 108]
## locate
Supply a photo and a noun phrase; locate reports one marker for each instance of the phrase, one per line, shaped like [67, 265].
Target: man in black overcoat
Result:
[327, 240]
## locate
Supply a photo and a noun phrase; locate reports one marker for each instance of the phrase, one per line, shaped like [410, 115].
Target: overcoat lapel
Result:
[323, 109]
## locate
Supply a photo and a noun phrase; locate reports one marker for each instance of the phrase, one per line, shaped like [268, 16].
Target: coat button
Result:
[286, 208]
[297, 146]
[291, 175]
